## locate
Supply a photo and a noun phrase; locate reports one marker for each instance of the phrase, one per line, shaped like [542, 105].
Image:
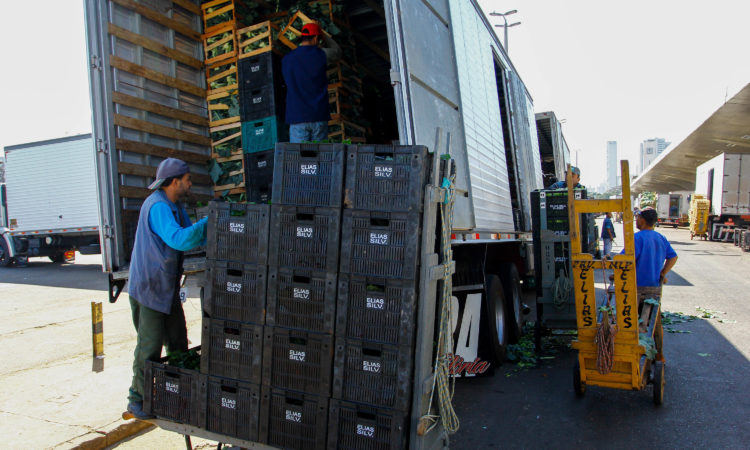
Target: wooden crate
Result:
[220, 106]
[226, 135]
[222, 76]
[343, 75]
[218, 190]
[220, 44]
[257, 39]
[343, 104]
[291, 33]
[341, 130]
[218, 14]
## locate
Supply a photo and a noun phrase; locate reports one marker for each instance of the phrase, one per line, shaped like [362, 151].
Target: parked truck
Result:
[49, 203]
[672, 208]
[725, 181]
[553, 149]
[436, 75]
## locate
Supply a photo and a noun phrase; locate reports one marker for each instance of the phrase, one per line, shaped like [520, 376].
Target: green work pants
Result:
[155, 329]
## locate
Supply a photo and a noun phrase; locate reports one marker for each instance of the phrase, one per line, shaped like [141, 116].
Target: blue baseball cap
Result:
[170, 167]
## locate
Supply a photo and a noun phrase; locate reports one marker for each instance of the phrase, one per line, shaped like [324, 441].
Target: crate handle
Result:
[372, 352]
[234, 272]
[375, 288]
[258, 124]
[297, 340]
[301, 279]
[294, 401]
[379, 222]
[383, 155]
[366, 416]
[230, 389]
[308, 154]
[256, 92]
[305, 216]
[233, 331]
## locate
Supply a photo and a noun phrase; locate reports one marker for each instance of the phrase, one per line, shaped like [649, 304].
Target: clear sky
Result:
[623, 71]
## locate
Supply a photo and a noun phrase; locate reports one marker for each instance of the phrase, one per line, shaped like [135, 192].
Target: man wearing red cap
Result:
[304, 70]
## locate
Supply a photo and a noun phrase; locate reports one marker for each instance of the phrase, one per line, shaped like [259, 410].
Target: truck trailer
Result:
[553, 149]
[725, 181]
[672, 208]
[49, 201]
[438, 77]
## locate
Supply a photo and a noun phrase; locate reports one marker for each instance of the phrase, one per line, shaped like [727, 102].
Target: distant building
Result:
[650, 150]
[611, 164]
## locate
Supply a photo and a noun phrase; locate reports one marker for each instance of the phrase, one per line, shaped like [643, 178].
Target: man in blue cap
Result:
[164, 232]
[563, 184]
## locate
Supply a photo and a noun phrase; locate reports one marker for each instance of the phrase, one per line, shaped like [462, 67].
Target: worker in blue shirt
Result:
[654, 256]
[608, 234]
[563, 184]
[164, 231]
[304, 70]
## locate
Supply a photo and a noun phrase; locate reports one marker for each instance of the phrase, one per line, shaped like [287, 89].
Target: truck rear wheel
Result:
[495, 306]
[5, 259]
[512, 291]
[57, 257]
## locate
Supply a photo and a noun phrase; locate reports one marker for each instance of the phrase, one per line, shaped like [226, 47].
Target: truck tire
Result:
[495, 306]
[5, 259]
[57, 257]
[512, 291]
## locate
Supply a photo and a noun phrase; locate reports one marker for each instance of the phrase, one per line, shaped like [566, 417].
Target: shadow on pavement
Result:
[40, 272]
[674, 279]
[706, 404]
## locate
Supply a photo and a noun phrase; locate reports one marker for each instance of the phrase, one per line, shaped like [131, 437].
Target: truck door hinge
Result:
[96, 62]
[395, 77]
[101, 146]
[107, 232]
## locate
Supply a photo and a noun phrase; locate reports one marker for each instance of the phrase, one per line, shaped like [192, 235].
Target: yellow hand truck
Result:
[620, 336]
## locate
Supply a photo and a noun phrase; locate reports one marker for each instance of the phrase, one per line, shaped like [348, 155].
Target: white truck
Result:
[49, 201]
[436, 74]
[725, 182]
[672, 208]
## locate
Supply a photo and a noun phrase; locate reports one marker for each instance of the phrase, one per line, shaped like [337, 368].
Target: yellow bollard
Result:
[97, 336]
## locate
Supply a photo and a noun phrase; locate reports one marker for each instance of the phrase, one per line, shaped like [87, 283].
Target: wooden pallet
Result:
[217, 9]
[342, 130]
[257, 39]
[222, 73]
[217, 102]
[293, 29]
[343, 75]
[342, 104]
[214, 42]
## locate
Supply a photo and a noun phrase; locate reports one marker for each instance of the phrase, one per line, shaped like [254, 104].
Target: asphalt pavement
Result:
[49, 396]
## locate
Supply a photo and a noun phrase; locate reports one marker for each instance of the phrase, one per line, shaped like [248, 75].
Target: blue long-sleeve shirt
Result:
[165, 225]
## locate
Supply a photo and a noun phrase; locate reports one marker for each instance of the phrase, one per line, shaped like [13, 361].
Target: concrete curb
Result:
[114, 436]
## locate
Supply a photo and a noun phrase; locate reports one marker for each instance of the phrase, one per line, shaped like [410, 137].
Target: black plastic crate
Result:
[232, 350]
[302, 299]
[233, 408]
[174, 393]
[238, 232]
[305, 237]
[363, 427]
[261, 101]
[259, 70]
[259, 176]
[309, 174]
[380, 244]
[293, 419]
[298, 360]
[373, 373]
[388, 178]
[235, 291]
[376, 309]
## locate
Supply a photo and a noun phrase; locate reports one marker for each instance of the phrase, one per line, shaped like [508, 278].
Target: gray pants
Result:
[155, 329]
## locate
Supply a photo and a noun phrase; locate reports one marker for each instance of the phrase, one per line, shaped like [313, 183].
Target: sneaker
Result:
[136, 409]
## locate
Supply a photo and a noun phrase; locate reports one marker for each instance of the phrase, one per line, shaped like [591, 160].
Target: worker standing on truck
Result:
[608, 234]
[563, 184]
[654, 256]
[164, 231]
[304, 70]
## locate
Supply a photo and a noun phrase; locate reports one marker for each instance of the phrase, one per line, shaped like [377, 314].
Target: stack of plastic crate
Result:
[375, 326]
[303, 261]
[234, 304]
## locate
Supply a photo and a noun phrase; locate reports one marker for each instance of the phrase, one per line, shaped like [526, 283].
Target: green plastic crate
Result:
[263, 134]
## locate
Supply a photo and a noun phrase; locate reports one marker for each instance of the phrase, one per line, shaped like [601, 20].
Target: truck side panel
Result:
[64, 199]
[148, 102]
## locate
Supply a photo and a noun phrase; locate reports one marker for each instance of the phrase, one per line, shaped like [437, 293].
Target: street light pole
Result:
[505, 24]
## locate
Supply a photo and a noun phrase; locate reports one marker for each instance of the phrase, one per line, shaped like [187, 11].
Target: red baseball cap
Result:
[311, 29]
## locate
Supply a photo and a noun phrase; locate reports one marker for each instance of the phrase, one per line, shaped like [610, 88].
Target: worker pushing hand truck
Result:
[620, 337]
